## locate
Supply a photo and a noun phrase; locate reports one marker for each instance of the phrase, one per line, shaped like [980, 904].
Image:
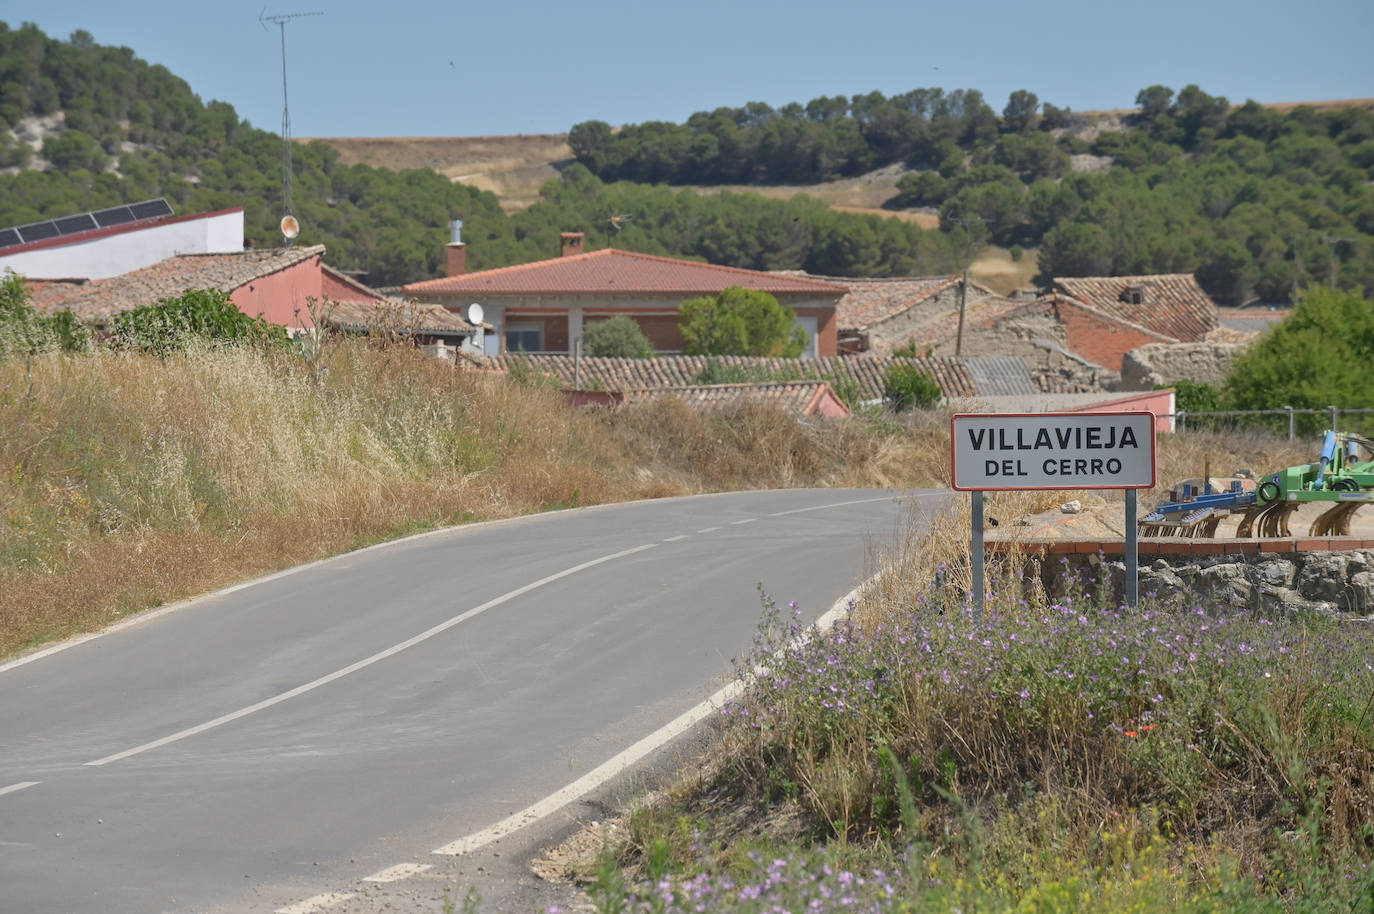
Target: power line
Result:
[288, 205]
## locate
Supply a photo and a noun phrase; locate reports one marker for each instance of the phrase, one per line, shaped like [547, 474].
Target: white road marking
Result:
[674, 539]
[619, 763]
[747, 520]
[708, 529]
[838, 504]
[15, 788]
[317, 903]
[398, 872]
[367, 661]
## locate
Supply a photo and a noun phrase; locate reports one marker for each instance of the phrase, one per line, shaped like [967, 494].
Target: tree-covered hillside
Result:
[1256, 202]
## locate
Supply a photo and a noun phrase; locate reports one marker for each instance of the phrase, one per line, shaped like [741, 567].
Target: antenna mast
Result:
[288, 206]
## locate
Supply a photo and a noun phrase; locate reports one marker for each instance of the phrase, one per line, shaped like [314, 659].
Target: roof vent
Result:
[1133, 295]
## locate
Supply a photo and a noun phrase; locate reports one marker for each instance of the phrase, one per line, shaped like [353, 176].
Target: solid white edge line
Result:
[616, 765]
[317, 903]
[398, 872]
[366, 661]
[843, 504]
[15, 788]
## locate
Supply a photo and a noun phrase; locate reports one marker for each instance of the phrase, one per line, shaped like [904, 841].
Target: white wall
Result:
[112, 255]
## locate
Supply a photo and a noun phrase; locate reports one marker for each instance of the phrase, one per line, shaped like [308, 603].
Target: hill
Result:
[1256, 201]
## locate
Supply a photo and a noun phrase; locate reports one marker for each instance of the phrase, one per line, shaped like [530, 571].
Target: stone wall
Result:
[1167, 363]
[1271, 583]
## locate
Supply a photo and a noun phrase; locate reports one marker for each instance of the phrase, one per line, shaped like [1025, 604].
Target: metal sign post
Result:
[1021, 451]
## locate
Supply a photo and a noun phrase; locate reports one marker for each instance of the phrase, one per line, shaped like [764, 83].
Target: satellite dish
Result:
[290, 227]
[475, 314]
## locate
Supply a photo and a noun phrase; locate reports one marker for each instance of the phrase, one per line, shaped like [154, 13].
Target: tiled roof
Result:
[871, 301]
[405, 316]
[798, 397]
[100, 299]
[1174, 304]
[982, 315]
[954, 376]
[615, 272]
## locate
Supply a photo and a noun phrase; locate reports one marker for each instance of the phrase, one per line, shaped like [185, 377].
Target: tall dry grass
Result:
[127, 481]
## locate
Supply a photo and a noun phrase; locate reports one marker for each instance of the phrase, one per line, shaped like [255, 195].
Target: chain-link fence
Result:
[1286, 420]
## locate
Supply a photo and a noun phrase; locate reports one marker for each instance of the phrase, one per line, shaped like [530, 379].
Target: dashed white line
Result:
[747, 520]
[619, 763]
[317, 903]
[398, 872]
[367, 661]
[674, 539]
[15, 788]
[708, 529]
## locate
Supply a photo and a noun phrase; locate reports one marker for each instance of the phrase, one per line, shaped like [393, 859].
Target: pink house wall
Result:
[280, 298]
[1159, 402]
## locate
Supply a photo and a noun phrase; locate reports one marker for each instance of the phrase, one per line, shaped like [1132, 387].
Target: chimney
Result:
[572, 243]
[456, 252]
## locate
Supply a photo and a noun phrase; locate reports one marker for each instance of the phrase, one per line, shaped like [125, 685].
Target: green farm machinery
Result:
[1342, 477]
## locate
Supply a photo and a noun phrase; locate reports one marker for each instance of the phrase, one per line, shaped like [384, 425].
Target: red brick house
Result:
[544, 306]
[1171, 305]
[275, 284]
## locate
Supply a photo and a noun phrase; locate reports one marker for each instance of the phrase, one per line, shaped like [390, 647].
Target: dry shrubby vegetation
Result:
[131, 480]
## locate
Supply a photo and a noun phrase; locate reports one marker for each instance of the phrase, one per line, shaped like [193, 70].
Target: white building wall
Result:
[113, 255]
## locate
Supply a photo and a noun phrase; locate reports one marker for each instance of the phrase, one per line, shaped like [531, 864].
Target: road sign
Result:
[1005, 451]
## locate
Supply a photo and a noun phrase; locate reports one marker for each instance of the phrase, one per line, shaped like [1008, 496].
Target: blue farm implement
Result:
[1342, 477]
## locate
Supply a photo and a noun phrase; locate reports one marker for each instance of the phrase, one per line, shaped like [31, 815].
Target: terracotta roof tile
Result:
[871, 301]
[982, 315]
[407, 316]
[1174, 304]
[615, 272]
[797, 397]
[954, 376]
[100, 299]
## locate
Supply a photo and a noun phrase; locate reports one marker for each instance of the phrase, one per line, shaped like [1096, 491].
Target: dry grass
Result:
[127, 481]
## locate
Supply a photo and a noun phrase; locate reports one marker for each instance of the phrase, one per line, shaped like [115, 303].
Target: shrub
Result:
[1193, 397]
[24, 331]
[906, 387]
[740, 322]
[205, 315]
[617, 337]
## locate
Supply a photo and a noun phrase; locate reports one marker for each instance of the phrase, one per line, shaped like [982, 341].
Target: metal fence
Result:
[1288, 414]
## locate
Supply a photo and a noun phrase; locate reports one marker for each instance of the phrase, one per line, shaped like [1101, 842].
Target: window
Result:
[524, 336]
[1133, 295]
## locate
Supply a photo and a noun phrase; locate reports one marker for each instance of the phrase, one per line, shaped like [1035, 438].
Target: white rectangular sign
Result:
[1053, 450]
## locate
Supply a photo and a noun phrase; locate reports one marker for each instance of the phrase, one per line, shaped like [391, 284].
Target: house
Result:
[544, 306]
[436, 329]
[113, 241]
[880, 315]
[1171, 305]
[276, 284]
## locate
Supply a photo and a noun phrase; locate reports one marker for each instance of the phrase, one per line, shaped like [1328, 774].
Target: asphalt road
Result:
[261, 748]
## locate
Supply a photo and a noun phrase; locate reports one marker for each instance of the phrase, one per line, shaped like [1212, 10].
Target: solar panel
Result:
[150, 209]
[38, 231]
[70, 225]
[115, 215]
[85, 222]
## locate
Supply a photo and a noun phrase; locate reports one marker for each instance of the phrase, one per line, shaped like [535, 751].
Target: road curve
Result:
[257, 746]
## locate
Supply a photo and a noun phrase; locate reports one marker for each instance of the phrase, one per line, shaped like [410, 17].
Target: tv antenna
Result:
[289, 226]
[615, 224]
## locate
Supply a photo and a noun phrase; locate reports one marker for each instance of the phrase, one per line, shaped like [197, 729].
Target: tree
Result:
[204, 315]
[907, 387]
[1321, 355]
[1154, 101]
[616, 337]
[1019, 114]
[740, 322]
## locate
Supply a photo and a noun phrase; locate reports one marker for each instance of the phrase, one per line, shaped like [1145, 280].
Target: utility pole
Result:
[288, 222]
[963, 286]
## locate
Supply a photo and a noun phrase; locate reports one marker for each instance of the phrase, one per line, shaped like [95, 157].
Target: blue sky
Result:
[466, 69]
